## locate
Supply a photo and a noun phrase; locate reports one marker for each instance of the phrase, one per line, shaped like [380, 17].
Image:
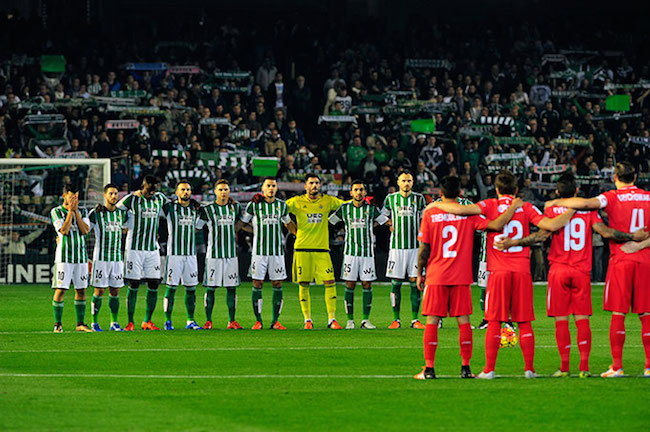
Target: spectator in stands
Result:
[274, 143]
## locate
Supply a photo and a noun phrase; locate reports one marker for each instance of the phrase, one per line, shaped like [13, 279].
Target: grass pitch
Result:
[294, 380]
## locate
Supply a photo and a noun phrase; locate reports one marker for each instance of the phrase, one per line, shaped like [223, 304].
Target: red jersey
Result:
[451, 238]
[628, 210]
[571, 245]
[516, 258]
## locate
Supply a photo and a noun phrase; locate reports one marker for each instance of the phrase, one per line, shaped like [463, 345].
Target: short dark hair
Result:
[311, 175]
[407, 172]
[70, 187]
[566, 185]
[151, 180]
[506, 183]
[268, 178]
[625, 172]
[450, 186]
[358, 182]
[222, 181]
[110, 186]
[183, 181]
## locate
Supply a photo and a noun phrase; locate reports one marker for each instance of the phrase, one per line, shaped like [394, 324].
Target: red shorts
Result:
[569, 291]
[443, 300]
[627, 285]
[509, 295]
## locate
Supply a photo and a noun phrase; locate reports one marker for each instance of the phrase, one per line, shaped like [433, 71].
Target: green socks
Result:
[131, 299]
[152, 299]
[396, 297]
[208, 303]
[277, 303]
[349, 303]
[190, 302]
[80, 310]
[367, 302]
[416, 296]
[231, 302]
[95, 306]
[482, 301]
[168, 302]
[57, 308]
[114, 305]
[256, 296]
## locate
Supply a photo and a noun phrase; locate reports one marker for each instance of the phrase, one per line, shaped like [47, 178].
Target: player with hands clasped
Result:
[358, 216]
[267, 214]
[108, 223]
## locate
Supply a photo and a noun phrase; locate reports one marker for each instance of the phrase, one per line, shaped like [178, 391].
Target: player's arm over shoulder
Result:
[578, 203]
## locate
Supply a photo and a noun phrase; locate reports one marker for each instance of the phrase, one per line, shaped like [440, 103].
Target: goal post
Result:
[29, 189]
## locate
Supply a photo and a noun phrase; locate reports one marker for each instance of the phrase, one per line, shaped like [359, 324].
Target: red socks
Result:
[465, 340]
[492, 344]
[617, 340]
[584, 343]
[645, 338]
[527, 342]
[430, 344]
[563, 339]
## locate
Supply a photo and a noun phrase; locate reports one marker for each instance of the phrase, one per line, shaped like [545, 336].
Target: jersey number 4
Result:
[637, 220]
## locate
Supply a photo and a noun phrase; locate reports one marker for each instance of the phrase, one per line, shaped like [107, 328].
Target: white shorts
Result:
[271, 264]
[402, 263]
[358, 268]
[108, 273]
[66, 274]
[142, 265]
[221, 272]
[182, 270]
[483, 273]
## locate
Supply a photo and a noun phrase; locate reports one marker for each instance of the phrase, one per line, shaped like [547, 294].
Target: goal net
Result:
[29, 189]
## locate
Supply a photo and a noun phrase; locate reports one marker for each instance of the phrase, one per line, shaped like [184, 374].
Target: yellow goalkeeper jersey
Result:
[312, 220]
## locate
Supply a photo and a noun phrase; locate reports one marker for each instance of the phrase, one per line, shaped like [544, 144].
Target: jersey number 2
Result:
[451, 233]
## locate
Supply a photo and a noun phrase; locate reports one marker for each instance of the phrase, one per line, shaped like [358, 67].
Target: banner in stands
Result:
[122, 124]
[26, 274]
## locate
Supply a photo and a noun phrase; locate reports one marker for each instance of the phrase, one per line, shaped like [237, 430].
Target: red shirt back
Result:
[628, 210]
[571, 245]
[516, 258]
[451, 239]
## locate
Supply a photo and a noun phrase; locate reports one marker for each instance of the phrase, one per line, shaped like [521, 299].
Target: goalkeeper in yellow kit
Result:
[311, 257]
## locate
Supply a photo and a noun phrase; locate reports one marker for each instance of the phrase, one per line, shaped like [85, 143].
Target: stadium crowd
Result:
[448, 100]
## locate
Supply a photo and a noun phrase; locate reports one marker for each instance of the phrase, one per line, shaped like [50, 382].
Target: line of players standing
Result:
[138, 213]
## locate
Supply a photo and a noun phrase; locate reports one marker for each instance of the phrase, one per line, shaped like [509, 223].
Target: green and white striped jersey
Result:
[107, 226]
[359, 238]
[482, 255]
[143, 224]
[405, 213]
[70, 248]
[221, 221]
[182, 223]
[267, 226]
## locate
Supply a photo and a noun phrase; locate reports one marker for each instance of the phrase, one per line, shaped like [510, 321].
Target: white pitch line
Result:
[232, 377]
[232, 349]
[244, 332]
